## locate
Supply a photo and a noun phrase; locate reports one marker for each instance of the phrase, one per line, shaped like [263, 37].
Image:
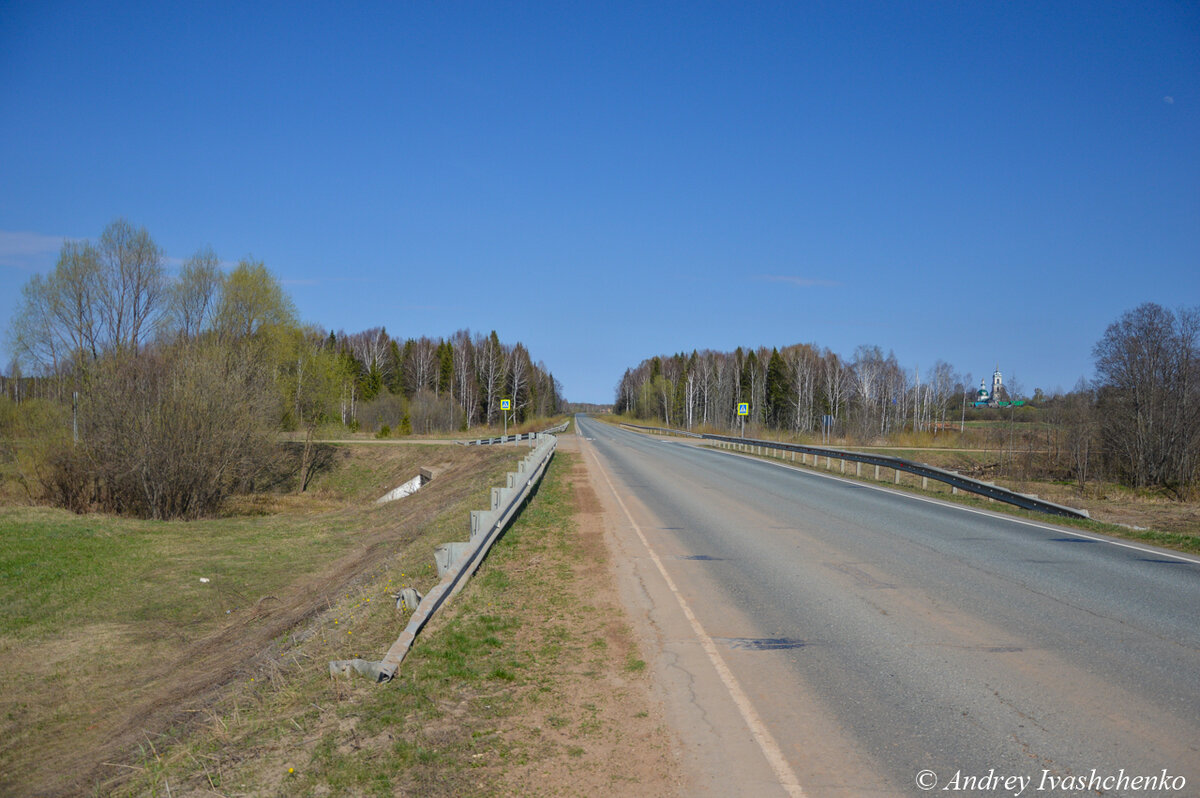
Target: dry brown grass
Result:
[529, 683]
[82, 698]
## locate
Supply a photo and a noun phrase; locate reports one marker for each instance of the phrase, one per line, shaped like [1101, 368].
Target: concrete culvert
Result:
[423, 476]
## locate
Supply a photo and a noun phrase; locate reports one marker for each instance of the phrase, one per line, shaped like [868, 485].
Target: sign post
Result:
[743, 411]
[505, 406]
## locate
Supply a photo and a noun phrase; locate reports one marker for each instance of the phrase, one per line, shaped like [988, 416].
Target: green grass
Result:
[465, 666]
[59, 570]
[95, 606]
[462, 711]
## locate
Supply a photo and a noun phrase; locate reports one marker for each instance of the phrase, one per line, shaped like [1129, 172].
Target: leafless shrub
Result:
[384, 410]
[429, 413]
[168, 434]
[67, 482]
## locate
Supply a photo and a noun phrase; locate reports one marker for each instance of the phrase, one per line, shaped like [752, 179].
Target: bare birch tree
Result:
[132, 284]
[192, 299]
[1148, 364]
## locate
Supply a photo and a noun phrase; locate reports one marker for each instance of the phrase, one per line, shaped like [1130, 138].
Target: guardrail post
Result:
[448, 554]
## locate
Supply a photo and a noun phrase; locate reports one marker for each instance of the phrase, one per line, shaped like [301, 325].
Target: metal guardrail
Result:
[897, 464]
[526, 436]
[457, 562]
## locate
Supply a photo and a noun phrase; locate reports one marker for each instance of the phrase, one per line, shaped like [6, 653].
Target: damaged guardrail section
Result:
[897, 464]
[458, 561]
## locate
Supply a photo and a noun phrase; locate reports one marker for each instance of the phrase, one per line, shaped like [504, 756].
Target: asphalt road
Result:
[888, 643]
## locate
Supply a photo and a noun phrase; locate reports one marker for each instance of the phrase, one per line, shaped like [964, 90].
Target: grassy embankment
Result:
[126, 674]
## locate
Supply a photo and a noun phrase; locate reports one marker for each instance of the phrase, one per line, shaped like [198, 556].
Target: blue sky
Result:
[980, 183]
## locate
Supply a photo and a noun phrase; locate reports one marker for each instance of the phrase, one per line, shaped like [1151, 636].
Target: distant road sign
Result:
[743, 408]
[506, 404]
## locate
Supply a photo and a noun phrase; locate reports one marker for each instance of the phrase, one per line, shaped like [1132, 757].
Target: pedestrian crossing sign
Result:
[506, 404]
[743, 408]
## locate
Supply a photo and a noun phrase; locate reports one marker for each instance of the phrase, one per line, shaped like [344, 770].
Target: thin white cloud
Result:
[29, 251]
[803, 282]
[1169, 100]
[37, 252]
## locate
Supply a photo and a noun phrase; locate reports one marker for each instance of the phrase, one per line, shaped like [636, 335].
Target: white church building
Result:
[993, 397]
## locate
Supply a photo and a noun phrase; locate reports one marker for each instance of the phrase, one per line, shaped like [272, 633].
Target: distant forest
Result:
[1138, 423]
[137, 393]
[792, 389]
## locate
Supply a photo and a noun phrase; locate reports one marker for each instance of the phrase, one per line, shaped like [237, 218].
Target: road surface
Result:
[816, 636]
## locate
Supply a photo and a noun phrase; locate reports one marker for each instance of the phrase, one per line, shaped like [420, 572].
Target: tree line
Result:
[429, 385]
[800, 389]
[135, 392]
[1138, 422]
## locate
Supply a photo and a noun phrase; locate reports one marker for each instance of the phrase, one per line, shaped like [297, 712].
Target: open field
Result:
[125, 674]
[528, 683]
[109, 637]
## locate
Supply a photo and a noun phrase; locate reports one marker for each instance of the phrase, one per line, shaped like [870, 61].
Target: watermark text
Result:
[1095, 781]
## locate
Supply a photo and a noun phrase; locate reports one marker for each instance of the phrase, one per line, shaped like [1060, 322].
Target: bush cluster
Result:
[168, 434]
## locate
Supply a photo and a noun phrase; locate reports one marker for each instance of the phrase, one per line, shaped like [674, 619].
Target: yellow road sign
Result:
[743, 408]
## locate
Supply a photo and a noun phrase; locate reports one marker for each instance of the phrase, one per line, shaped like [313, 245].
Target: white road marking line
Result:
[977, 511]
[766, 743]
